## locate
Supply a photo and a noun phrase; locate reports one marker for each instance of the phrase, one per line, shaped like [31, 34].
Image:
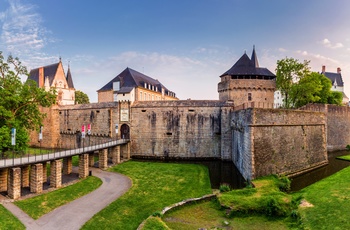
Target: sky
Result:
[185, 44]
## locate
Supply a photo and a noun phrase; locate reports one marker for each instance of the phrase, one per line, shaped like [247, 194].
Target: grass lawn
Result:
[209, 215]
[330, 198]
[45, 203]
[347, 157]
[262, 207]
[9, 221]
[155, 186]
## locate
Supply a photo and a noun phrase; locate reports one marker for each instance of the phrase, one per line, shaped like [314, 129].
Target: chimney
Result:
[323, 69]
[338, 70]
[41, 77]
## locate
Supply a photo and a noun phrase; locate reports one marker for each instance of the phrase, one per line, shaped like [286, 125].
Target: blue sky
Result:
[185, 44]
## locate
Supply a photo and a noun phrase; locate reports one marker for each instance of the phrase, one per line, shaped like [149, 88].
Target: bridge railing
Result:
[14, 158]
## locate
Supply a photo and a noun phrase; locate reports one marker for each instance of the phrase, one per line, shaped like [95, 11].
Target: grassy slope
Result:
[45, 203]
[208, 215]
[155, 186]
[9, 221]
[331, 200]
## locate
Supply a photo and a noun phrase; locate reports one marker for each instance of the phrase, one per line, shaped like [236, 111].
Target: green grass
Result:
[42, 204]
[331, 200]
[155, 223]
[347, 157]
[266, 198]
[155, 186]
[210, 215]
[9, 221]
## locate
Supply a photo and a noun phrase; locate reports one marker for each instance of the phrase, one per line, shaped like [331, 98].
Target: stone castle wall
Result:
[275, 141]
[62, 128]
[338, 124]
[50, 131]
[258, 141]
[188, 129]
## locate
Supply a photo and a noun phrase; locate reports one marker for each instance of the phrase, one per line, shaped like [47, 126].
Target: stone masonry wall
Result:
[338, 124]
[241, 141]
[51, 129]
[287, 141]
[186, 129]
[237, 90]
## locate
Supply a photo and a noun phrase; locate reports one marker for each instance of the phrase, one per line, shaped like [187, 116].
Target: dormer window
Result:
[145, 85]
[116, 86]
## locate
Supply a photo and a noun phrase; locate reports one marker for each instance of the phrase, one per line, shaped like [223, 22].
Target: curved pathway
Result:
[74, 214]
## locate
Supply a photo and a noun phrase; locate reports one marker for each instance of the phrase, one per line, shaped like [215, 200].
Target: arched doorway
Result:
[125, 131]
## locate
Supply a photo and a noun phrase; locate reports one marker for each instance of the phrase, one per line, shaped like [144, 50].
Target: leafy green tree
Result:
[81, 97]
[335, 98]
[306, 90]
[288, 72]
[19, 104]
[314, 88]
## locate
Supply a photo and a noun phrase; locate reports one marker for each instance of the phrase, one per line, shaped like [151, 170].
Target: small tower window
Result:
[249, 96]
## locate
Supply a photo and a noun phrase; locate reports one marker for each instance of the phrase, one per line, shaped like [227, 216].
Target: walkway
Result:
[5, 163]
[74, 214]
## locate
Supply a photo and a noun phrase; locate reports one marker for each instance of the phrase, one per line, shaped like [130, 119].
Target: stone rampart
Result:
[275, 141]
[338, 124]
[179, 129]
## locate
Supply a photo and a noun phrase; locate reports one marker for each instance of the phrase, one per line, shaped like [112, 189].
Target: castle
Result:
[52, 76]
[241, 127]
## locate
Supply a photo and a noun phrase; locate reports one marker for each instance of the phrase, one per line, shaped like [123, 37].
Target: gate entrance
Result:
[125, 131]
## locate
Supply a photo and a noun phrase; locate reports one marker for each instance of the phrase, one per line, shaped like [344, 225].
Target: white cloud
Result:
[327, 43]
[282, 50]
[22, 30]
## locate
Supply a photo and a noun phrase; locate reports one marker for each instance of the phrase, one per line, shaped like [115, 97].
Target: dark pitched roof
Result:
[254, 59]
[249, 67]
[69, 79]
[334, 77]
[49, 71]
[131, 78]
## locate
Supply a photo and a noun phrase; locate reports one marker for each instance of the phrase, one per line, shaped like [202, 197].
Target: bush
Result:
[225, 188]
[273, 207]
[348, 147]
[283, 183]
[157, 214]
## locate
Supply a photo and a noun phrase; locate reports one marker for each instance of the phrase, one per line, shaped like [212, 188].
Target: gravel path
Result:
[74, 214]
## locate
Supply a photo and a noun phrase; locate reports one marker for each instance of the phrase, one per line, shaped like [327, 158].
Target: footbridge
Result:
[31, 171]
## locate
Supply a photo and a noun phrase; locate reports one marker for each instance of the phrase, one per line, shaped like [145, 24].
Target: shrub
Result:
[225, 188]
[273, 207]
[157, 214]
[348, 147]
[283, 183]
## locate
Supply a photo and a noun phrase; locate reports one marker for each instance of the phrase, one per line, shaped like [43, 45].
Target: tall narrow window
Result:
[140, 96]
[249, 96]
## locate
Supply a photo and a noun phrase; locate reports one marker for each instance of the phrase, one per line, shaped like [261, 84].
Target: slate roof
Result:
[49, 71]
[69, 79]
[246, 67]
[129, 79]
[334, 77]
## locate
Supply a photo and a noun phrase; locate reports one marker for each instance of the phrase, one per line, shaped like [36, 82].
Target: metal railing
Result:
[19, 158]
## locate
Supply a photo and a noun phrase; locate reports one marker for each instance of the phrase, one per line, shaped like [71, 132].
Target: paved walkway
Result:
[74, 214]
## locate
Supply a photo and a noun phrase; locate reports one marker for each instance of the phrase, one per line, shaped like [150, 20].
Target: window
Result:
[249, 96]
[116, 86]
[140, 96]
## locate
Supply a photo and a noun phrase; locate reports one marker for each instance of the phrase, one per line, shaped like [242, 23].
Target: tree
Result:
[19, 104]
[288, 72]
[306, 90]
[81, 97]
